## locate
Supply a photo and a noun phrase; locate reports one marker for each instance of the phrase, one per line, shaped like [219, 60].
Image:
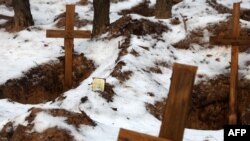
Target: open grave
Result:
[209, 104]
[45, 82]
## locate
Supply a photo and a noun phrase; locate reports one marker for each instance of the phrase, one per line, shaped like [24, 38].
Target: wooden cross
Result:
[68, 34]
[235, 40]
[176, 110]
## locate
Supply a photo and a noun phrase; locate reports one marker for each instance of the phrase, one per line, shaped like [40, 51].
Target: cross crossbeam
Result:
[68, 34]
[229, 40]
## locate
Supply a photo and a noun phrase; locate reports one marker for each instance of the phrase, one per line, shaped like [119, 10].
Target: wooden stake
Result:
[178, 102]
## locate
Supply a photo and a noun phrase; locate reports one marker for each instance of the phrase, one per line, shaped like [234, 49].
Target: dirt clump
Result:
[45, 82]
[108, 92]
[157, 109]
[126, 26]
[75, 119]
[61, 18]
[6, 2]
[119, 74]
[210, 104]
[141, 9]
[82, 2]
[26, 133]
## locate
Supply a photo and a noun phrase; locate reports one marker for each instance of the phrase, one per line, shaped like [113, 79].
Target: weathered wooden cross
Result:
[176, 110]
[68, 34]
[235, 40]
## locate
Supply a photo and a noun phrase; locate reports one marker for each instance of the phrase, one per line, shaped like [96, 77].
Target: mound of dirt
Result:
[141, 9]
[108, 92]
[126, 26]
[210, 104]
[45, 83]
[6, 2]
[222, 28]
[60, 20]
[119, 74]
[82, 2]
[25, 133]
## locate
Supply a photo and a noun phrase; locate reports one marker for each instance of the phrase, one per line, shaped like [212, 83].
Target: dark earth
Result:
[45, 82]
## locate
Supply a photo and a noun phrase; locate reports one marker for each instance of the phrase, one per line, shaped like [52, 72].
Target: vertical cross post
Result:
[68, 44]
[234, 66]
[178, 102]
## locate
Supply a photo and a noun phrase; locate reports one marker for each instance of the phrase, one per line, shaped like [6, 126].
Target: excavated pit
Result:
[45, 82]
[210, 104]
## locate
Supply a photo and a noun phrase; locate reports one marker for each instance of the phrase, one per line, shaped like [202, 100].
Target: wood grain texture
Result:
[234, 67]
[127, 135]
[240, 41]
[178, 102]
[68, 43]
[68, 34]
[70, 17]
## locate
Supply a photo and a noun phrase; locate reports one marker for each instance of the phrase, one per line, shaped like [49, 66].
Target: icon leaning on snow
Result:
[98, 84]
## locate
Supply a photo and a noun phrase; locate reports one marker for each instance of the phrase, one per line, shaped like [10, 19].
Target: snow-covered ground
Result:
[26, 49]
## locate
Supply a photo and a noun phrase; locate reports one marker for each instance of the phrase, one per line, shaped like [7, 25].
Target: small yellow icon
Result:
[98, 84]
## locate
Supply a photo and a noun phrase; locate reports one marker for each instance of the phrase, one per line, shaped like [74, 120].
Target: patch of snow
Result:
[245, 4]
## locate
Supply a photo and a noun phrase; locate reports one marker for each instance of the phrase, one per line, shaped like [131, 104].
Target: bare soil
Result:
[108, 92]
[126, 26]
[45, 83]
[25, 133]
[60, 20]
[119, 74]
[141, 9]
[210, 103]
